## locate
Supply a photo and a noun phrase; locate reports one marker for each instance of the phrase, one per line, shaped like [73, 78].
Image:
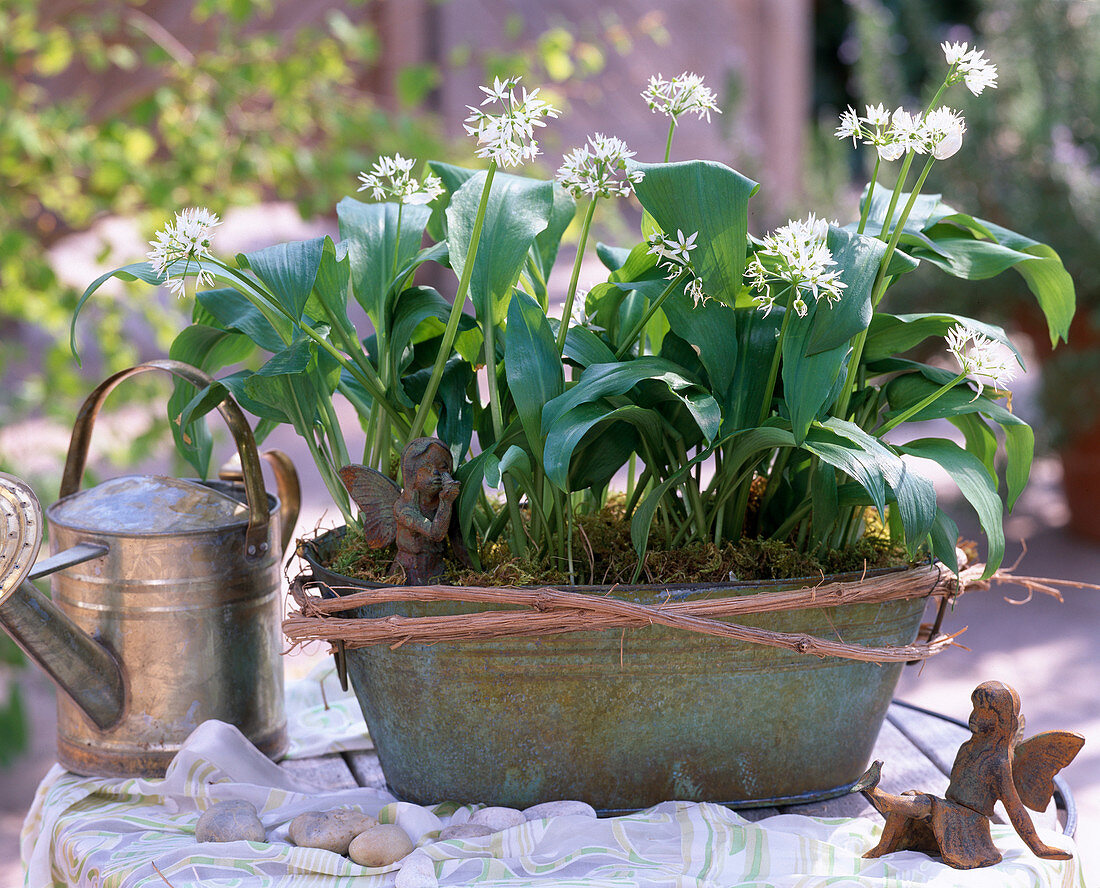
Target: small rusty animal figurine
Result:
[418, 518]
[995, 763]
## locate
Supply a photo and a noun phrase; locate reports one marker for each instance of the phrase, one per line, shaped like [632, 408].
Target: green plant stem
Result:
[421, 417]
[570, 295]
[914, 409]
[773, 371]
[693, 496]
[641, 325]
[784, 530]
[870, 194]
[668, 142]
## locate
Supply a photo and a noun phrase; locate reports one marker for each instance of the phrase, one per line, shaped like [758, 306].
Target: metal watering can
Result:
[167, 600]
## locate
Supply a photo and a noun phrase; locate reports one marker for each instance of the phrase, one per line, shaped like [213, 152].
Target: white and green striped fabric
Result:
[120, 832]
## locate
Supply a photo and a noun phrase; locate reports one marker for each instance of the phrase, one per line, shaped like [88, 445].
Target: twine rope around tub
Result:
[548, 611]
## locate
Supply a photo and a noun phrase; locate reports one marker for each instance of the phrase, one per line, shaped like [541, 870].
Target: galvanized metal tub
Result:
[626, 719]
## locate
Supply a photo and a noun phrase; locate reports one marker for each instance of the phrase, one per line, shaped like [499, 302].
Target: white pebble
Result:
[417, 871]
[497, 818]
[380, 845]
[564, 808]
[464, 831]
[330, 830]
[230, 821]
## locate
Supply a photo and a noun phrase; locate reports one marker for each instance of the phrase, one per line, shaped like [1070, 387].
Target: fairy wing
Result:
[374, 494]
[1036, 760]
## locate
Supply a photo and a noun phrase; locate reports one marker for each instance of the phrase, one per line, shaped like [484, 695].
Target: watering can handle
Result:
[258, 515]
[287, 486]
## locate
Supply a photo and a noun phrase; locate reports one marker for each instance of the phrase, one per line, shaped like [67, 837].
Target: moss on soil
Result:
[603, 555]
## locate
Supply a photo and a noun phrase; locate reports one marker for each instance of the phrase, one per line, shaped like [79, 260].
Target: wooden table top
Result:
[916, 747]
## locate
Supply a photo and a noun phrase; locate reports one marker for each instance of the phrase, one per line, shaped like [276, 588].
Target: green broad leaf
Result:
[208, 349]
[710, 328]
[613, 258]
[639, 265]
[515, 462]
[517, 211]
[453, 177]
[943, 537]
[809, 380]
[708, 198]
[927, 211]
[236, 312]
[329, 300]
[916, 497]
[911, 388]
[585, 348]
[606, 380]
[857, 258]
[975, 483]
[544, 252]
[979, 437]
[289, 271]
[532, 365]
[379, 247]
[850, 458]
[756, 338]
[891, 335]
[471, 479]
[412, 308]
[591, 444]
[267, 413]
[455, 423]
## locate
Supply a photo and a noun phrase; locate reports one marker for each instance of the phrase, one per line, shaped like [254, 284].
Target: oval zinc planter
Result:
[626, 718]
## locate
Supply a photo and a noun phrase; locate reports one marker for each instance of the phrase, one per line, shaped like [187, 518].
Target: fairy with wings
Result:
[419, 517]
[995, 763]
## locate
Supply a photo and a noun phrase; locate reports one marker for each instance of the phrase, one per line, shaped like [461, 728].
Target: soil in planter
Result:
[604, 555]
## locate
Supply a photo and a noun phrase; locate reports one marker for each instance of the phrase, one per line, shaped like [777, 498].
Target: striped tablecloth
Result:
[130, 832]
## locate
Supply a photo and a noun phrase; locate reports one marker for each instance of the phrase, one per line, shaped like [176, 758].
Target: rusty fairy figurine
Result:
[994, 764]
[419, 517]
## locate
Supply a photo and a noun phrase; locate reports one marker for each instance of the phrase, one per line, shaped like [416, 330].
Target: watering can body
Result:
[173, 619]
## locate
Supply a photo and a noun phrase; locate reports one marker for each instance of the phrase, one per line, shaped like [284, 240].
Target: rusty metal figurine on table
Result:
[994, 764]
[418, 518]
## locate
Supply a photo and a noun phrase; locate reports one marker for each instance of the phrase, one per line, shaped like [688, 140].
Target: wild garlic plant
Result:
[752, 380]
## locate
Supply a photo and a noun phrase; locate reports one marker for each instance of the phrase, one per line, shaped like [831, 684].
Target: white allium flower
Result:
[694, 289]
[980, 357]
[849, 126]
[877, 115]
[795, 257]
[970, 66]
[943, 131]
[673, 253]
[907, 130]
[187, 238]
[391, 179]
[682, 94]
[508, 138]
[599, 172]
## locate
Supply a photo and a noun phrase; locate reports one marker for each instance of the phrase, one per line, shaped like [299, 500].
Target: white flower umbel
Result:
[508, 138]
[598, 169]
[681, 95]
[673, 253]
[187, 238]
[943, 132]
[980, 358]
[970, 66]
[795, 261]
[391, 179]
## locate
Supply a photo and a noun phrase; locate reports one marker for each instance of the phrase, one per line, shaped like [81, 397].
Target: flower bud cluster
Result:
[598, 169]
[795, 260]
[680, 95]
[391, 179]
[508, 138]
[969, 66]
[981, 358]
[187, 238]
[938, 133]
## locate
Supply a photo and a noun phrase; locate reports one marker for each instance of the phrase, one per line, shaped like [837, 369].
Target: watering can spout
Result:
[80, 666]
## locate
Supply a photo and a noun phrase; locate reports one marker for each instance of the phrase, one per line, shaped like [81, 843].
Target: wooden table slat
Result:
[364, 765]
[321, 773]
